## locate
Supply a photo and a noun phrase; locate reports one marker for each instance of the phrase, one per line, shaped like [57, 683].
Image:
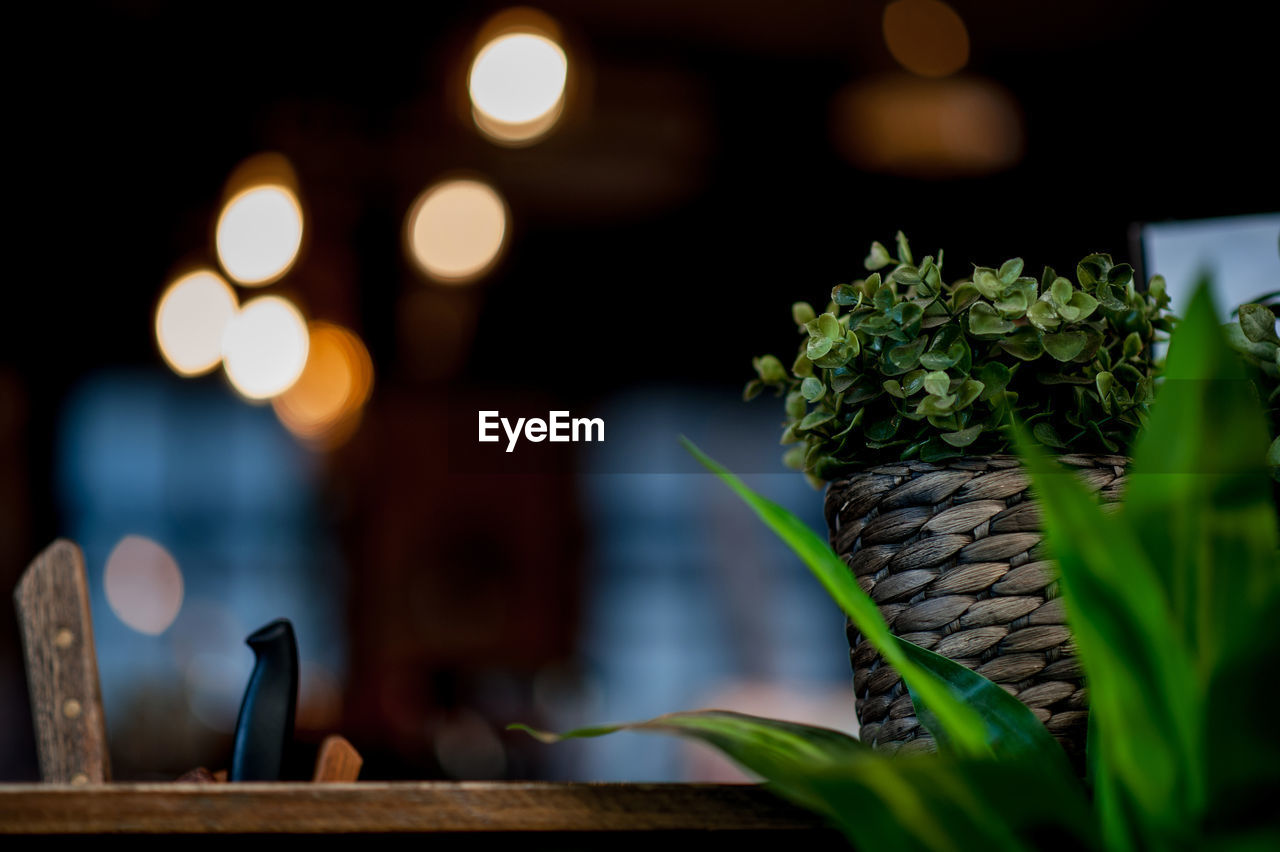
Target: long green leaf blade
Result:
[1011, 728]
[962, 726]
[921, 802]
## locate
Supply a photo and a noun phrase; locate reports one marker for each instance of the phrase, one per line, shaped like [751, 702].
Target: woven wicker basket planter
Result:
[952, 555]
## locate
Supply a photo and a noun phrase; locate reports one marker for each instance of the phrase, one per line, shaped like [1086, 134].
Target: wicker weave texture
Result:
[952, 555]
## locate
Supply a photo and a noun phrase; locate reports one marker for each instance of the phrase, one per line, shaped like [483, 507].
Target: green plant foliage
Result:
[966, 712]
[879, 802]
[1175, 606]
[902, 364]
[1253, 335]
[1174, 602]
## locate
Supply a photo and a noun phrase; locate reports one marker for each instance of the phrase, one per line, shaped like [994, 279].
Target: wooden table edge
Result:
[399, 807]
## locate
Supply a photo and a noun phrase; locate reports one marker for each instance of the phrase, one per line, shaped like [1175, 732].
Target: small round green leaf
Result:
[1043, 316]
[812, 389]
[964, 437]
[878, 258]
[1065, 345]
[802, 312]
[817, 347]
[769, 369]
[937, 383]
[983, 319]
[814, 419]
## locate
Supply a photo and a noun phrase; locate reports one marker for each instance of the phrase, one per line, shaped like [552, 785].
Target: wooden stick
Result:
[338, 761]
[52, 600]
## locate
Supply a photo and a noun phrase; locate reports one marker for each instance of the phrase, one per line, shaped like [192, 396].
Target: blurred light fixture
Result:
[323, 406]
[456, 230]
[916, 127]
[517, 78]
[143, 584]
[265, 347]
[191, 318]
[927, 37]
[259, 233]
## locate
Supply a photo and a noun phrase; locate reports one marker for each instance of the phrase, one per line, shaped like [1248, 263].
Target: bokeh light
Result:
[928, 128]
[191, 318]
[143, 584]
[323, 406]
[265, 347]
[259, 234]
[926, 37]
[456, 230]
[517, 86]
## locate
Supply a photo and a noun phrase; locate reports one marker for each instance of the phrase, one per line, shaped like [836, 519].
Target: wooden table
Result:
[538, 814]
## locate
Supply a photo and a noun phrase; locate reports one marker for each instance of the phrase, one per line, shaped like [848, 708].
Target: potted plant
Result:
[902, 399]
[1175, 604]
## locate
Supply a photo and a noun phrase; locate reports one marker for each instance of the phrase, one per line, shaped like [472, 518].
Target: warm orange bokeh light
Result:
[517, 85]
[905, 125]
[323, 406]
[927, 37]
[191, 319]
[456, 230]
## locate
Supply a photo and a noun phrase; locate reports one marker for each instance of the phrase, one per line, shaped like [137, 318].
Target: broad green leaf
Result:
[962, 724]
[1199, 499]
[1012, 729]
[1124, 635]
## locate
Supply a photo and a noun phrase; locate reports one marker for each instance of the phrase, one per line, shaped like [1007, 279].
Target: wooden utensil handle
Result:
[52, 600]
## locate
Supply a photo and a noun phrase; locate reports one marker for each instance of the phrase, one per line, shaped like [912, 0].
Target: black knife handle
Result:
[264, 728]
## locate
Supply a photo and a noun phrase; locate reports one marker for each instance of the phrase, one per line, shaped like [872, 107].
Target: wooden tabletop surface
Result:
[407, 807]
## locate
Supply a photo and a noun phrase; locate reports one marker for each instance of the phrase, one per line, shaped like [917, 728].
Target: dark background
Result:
[659, 234]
